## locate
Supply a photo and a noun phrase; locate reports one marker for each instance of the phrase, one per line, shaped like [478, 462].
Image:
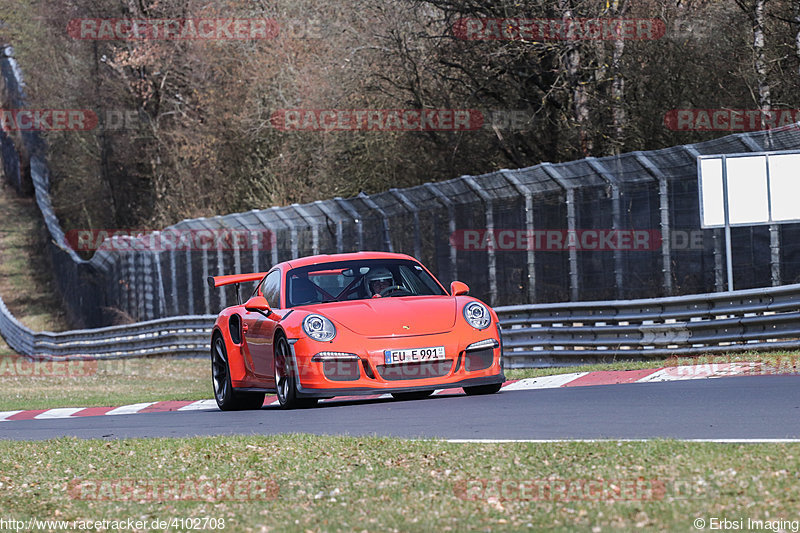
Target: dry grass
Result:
[381, 484]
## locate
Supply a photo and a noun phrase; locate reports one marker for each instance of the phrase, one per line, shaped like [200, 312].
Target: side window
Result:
[271, 289]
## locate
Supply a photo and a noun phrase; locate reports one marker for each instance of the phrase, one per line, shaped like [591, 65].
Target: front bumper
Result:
[368, 374]
[304, 392]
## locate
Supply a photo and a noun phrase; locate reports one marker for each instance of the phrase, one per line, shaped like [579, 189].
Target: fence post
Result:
[666, 227]
[774, 229]
[387, 238]
[173, 278]
[451, 225]
[206, 293]
[356, 220]
[616, 214]
[223, 300]
[325, 208]
[529, 227]
[274, 241]
[162, 297]
[292, 230]
[569, 191]
[490, 251]
[311, 224]
[411, 206]
[190, 283]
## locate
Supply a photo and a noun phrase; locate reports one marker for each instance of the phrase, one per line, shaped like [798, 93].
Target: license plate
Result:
[394, 357]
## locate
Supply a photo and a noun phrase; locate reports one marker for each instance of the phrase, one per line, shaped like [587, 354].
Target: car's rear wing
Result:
[234, 279]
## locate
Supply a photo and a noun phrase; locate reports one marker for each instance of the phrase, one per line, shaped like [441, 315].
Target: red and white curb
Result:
[575, 379]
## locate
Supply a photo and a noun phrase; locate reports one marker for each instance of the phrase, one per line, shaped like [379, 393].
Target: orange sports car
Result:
[351, 324]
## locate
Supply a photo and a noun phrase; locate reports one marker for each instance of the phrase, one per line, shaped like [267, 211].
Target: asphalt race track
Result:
[754, 407]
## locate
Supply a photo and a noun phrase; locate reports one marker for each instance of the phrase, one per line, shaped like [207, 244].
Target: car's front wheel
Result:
[483, 389]
[227, 398]
[286, 378]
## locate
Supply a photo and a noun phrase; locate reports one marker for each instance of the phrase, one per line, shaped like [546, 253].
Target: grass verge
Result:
[26, 281]
[379, 484]
[103, 383]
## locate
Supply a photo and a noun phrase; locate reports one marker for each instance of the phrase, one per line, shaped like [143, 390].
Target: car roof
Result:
[332, 258]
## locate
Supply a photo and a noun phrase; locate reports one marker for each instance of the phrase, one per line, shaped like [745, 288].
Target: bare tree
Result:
[757, 13]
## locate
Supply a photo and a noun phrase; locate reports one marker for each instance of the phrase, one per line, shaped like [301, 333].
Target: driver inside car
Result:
[379, 279]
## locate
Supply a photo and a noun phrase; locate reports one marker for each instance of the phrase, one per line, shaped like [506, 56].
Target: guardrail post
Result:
[523, 190]
[344, 204]
[569, 191]
[451, 225]
[411, 206]
[666, 227]
[490, 251]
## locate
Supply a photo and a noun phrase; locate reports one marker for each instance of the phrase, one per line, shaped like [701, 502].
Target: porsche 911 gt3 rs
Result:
[351, 324]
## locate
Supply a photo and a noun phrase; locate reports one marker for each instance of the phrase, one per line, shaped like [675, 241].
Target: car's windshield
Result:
[357, 280]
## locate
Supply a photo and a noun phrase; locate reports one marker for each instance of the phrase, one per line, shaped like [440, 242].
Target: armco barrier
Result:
[533, 335]
[588, 332]
[187, 336]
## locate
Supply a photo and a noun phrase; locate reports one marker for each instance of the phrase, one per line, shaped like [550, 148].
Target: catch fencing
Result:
[545, 335]
[595, 229]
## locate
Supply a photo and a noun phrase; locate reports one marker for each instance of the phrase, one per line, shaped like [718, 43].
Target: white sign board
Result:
[751, 188]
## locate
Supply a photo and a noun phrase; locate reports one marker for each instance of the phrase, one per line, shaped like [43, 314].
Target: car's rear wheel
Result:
[227, 398]
[286, 378]
[413, 395]
[483, 389]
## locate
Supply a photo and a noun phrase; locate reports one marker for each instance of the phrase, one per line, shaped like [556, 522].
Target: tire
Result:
[413, 395]
[483, 389]
[227, 398]
[286, 379]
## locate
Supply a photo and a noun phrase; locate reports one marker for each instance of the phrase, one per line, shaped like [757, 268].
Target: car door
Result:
[259, 331]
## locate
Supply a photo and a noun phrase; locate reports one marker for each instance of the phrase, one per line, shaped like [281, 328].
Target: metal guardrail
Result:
[589, 332]
[533, 335]
[176, 336]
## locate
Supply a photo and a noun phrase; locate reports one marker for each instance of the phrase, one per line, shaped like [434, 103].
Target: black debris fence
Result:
[610, 228]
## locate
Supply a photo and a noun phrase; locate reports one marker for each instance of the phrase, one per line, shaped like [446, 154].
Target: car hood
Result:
[398, 316]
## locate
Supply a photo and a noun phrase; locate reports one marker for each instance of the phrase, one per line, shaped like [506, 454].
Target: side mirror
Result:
[258, 304]
[458, 288]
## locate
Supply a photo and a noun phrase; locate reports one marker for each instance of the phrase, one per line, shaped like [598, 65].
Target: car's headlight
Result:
[319, 328]
[477, 315]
